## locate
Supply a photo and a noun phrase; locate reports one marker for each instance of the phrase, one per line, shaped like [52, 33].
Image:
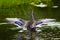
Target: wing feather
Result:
[17, 21]
[44, 21]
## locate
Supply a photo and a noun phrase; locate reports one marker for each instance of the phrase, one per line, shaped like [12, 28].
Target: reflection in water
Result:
[45, 30]
[18, 36]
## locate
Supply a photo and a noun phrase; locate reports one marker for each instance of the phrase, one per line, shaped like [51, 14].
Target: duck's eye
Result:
[39, 23]
[19, 23]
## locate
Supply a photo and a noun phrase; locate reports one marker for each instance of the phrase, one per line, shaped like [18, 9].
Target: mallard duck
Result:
[29, 24]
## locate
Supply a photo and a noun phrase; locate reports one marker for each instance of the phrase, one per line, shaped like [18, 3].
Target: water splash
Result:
[51, 24]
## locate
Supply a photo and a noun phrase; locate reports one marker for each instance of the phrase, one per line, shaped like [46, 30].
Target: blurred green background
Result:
[21, 8]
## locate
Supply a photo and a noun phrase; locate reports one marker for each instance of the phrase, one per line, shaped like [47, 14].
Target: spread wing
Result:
[43, 21]
[17, 21]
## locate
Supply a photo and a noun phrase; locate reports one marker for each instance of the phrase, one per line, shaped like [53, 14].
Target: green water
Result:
[22, 11]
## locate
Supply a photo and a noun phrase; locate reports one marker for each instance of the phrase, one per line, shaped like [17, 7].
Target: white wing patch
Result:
[15, 21]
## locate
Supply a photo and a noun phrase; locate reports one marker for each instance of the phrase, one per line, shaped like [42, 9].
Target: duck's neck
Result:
[30, 24]
[31, 16]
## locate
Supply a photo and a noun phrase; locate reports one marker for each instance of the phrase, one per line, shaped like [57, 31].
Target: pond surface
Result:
[43, 32]
[50, 31]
